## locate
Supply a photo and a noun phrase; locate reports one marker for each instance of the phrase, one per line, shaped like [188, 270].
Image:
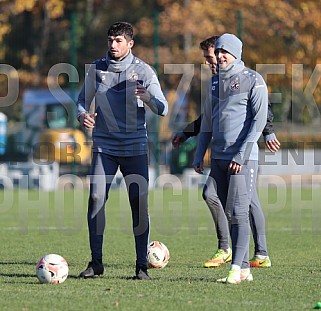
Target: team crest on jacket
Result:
[235, 85]
[133, 76]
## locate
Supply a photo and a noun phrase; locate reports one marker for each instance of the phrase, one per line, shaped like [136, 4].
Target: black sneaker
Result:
[142, 274]
[93, 270]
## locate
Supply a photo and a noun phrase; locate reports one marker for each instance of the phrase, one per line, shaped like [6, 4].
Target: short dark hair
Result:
[121, 29]
[208, 43]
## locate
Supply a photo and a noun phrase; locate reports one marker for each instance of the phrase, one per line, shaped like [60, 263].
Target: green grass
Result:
[33, 224]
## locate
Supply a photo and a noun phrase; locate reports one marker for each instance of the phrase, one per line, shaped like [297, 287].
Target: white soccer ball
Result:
[157, 255]
[52, 269]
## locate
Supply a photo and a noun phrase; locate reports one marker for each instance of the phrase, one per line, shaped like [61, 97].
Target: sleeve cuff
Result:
[238, 159]
[79, 114]
[269, 137]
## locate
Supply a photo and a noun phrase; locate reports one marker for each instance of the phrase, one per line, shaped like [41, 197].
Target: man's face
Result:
[223, 58]
[210, 59]
[119, 47]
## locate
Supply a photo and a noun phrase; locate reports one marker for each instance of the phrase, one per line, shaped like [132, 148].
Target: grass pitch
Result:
[33, 224]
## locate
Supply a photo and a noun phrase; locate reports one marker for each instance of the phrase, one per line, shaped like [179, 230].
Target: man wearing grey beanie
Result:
[234, 115]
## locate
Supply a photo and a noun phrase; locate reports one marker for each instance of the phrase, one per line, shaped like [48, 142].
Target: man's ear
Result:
[131, 43]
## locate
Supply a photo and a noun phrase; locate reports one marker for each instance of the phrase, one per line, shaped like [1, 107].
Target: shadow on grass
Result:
[23, 276]
[192, 279]
[18, 263]
[166, 279]
[105, 276]
[154, 278]
[17, 275]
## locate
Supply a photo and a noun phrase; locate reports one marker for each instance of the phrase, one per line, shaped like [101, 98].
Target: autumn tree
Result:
[280, 33]
[279, 36]
[35, 35]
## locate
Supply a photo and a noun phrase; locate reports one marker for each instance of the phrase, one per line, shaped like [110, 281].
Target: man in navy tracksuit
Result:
[234, 116]
[122, 87]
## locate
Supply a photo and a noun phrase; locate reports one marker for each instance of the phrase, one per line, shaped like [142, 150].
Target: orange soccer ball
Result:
[157, 255]
[52, 269]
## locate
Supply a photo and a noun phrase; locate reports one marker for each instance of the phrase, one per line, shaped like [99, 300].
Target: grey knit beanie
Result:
[231, 44]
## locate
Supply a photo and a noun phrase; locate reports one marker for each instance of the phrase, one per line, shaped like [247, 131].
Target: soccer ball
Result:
[52, 269]
[157, 255]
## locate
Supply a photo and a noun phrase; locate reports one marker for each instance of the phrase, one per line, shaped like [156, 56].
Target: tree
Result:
[274, 32]
[35, 35]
